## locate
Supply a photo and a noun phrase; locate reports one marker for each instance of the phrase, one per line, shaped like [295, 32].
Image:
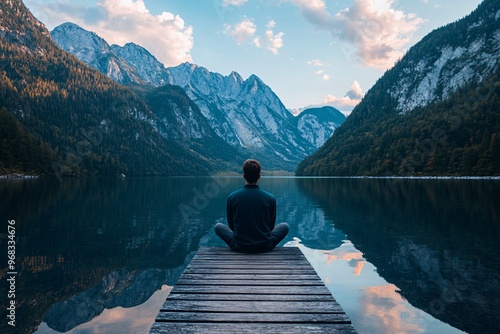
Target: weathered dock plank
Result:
[256, 316]
[227, 292]
[250, 328]
[268, 290]
[244, 306]
[251, 297]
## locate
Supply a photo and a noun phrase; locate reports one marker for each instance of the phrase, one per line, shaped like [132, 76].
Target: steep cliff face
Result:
[462, 53]
[245, 113]
[20, 27]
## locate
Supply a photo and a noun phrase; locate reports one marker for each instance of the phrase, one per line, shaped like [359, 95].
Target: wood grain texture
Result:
[222, 291]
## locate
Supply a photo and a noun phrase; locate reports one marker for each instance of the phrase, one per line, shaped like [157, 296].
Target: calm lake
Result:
[99, 255]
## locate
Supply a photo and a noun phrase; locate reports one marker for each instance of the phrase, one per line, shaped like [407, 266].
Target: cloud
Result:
[235, 3]
[317, 63]
[271, 24]
[345, 104]
[245, 32]
[355, 93]
[378, 32]
[273, 42]
[348, 101]
[321, 72]
[165, 35]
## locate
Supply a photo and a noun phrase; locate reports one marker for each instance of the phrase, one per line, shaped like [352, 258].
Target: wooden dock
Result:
[222, 291]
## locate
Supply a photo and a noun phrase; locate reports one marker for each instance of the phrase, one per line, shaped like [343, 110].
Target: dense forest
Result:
[21, 152]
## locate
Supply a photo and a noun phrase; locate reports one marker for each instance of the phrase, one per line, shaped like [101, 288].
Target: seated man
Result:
[251, 216]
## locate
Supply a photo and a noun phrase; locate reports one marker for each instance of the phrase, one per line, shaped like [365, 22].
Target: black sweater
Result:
[251, 215]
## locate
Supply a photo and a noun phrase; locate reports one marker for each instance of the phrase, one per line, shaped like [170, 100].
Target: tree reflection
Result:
[434, 239]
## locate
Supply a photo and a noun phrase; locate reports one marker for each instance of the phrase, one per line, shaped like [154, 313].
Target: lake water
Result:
[99, 255]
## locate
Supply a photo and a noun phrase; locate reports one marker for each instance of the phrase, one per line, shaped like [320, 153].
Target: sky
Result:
[310, 52]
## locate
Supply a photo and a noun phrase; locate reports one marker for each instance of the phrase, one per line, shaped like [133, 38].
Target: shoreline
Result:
[18, 176]
[394, 177]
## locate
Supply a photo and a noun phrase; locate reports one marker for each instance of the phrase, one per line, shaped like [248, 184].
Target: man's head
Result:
[251, 171]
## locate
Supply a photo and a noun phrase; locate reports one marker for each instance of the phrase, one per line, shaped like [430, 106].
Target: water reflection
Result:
[436, 240]
[86, 245]
[373, 304]
[136, 319]
[90, 250]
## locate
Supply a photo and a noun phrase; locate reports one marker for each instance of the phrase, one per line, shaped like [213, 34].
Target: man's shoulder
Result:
[236, 192]
[243, 191]
[268, 194]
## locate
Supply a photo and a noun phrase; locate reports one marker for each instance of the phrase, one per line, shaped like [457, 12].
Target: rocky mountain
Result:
[69, 119]
[446, 60]
[181, 121]
[318, 124]
[246, 114]
[436, 112]
[118, 63]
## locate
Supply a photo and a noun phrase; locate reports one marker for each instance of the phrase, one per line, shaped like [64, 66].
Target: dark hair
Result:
[251, 170]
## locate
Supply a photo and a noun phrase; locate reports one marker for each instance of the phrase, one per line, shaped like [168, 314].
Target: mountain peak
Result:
[318, 124]
[85, 45]
[236, 76]
[188, 66]
[115, 130]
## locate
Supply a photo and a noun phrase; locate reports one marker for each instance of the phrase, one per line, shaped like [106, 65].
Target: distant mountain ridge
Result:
[112, 60]
[246, 114]
[436, 112]
[318, 124]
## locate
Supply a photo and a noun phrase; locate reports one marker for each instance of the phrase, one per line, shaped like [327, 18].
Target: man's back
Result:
[251, 214]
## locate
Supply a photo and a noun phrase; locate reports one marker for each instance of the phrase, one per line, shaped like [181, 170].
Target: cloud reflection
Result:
[136, 319]
[385, 307]
[344, 253]
[373, 304]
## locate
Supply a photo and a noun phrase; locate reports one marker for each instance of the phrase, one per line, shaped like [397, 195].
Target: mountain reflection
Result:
[89, 247]
[85, 245]
[437, 240]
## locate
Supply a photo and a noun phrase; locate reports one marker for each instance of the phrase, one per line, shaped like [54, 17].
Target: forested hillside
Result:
[458, 136]
[72, 115]
[436, 112]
